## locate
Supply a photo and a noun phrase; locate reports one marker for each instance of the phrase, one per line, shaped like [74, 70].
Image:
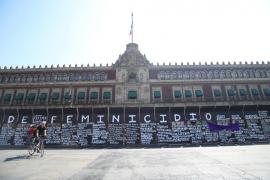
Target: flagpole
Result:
[131, 30]
[132, 27]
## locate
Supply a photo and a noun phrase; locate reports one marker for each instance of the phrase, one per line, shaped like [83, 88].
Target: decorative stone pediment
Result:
[131, 57]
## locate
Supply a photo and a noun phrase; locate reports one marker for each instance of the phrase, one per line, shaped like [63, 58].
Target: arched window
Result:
[234, 74]
[54, 77]
[65, 77]
[257, 74]
[174, 75]
[89, 76]
[192, 74]
[204, 75]
[228, 74]
[16, 78]
[4, 79]
[251, 73]
[240, 73]
[210, 75]
[62, 77]
[216, 74]
[80, 76]
[41, 78]
[263, 74]
[23, 78]
[35, 78]
[12, 79]
[47, 78]
[268, 73]
[167, 75]
[84, 76]
[29, 78]
[246, 74]
[198, 75]
[180, 74]
[59, 77]
[186, 75]
[162, 75]
[222, 74]
[102, 76]
[97, 76]
[76, 77]
[70, 77]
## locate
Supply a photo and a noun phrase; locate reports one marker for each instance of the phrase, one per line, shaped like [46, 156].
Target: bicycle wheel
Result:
[31, 147]
[41, 151]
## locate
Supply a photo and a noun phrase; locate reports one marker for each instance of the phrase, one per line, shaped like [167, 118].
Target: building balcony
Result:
[190, 101]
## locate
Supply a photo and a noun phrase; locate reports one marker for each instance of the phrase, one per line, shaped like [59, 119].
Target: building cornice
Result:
[210, 66]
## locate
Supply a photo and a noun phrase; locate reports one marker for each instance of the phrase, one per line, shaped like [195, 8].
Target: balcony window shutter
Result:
[198, 93]
[55, 96]
[157, 94]
[230, 92]
[19, 97]
[94, 95]
[81, 95]
[254, 92]
[31, 97]
[266, 91]
[243, 92]
[132, 94]
[67, 96]
[7, 97]
[43, 96]
[217, 93]
[107, 95]
[177, 94]
[188, 93]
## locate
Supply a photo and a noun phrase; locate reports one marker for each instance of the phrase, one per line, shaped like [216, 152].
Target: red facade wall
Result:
[167, 93]
[207, 92]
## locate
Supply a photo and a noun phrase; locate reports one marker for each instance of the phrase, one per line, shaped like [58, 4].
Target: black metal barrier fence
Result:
[138, 126]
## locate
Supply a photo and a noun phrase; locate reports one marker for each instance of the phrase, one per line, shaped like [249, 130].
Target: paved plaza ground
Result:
[223, 162]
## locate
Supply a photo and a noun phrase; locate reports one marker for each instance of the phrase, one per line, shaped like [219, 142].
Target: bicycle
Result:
[34, 146]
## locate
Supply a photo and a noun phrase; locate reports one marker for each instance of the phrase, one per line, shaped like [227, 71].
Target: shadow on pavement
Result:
[17, 158]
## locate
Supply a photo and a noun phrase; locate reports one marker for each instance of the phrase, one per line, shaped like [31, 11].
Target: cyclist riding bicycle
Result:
[32, 132]
[41, 133]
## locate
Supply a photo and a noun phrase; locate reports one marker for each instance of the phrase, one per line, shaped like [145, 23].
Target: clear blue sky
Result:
[83, 31]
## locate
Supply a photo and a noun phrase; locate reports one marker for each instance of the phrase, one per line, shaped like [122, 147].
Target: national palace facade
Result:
[133, 102]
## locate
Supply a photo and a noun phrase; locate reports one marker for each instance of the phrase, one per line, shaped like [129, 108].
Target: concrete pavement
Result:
[229, 162]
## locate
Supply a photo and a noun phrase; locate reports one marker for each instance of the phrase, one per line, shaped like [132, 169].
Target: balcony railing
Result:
[189, 100]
